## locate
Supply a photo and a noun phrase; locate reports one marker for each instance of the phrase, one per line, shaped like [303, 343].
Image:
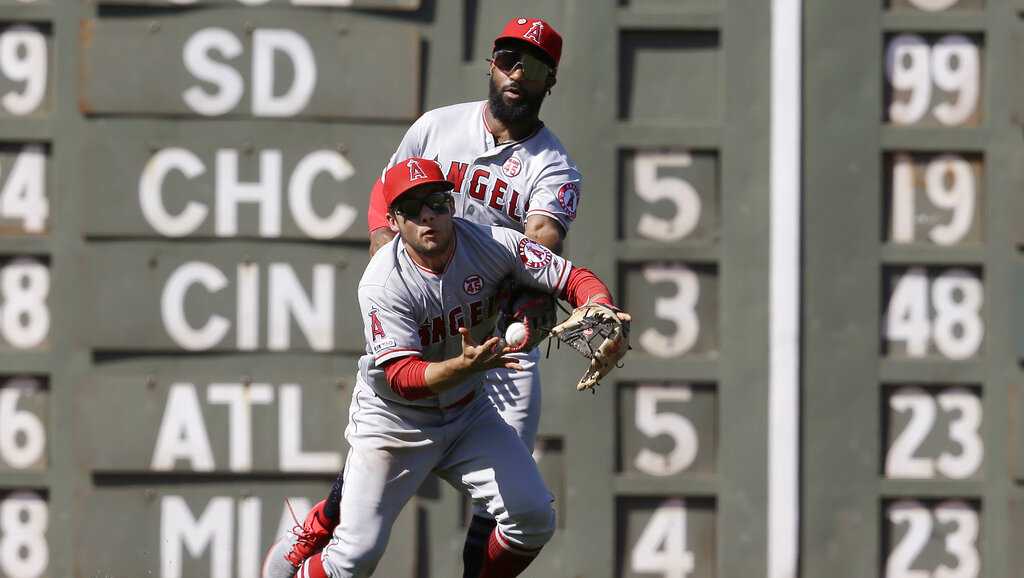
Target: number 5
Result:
[653, 424]
[652, 188]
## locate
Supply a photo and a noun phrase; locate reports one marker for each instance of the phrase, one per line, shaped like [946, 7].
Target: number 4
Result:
[661, 548]
[23, 197]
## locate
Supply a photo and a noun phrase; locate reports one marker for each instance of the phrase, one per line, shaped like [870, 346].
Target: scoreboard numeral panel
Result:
[183, 197]
[925, 407]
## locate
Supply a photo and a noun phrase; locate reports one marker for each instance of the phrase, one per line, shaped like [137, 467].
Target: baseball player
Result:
[428, 304]
[511, 171]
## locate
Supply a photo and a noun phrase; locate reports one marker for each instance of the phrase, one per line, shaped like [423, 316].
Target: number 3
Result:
[680, 309]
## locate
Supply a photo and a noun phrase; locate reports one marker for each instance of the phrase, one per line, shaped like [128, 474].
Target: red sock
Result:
[505, 560]
[313, 567]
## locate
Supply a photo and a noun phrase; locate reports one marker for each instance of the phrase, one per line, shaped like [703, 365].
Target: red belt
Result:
[463, 401]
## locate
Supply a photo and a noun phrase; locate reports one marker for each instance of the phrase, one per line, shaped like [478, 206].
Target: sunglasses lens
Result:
[506, 60]
[410, 208]
[533, 67]
[438, 202]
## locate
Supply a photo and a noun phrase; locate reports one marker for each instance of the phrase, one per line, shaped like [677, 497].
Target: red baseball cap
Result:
[536, 32]
[409, 174]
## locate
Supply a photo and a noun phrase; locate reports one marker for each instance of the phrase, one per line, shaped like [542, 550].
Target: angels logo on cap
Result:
[536, 29]
[415, 171]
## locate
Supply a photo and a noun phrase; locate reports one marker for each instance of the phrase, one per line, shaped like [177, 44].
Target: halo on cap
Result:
[534, 32]
[410, 173]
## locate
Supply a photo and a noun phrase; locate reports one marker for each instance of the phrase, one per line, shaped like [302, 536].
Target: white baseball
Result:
[515, 335]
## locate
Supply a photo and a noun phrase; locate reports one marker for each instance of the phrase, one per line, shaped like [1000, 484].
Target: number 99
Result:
[912, 67]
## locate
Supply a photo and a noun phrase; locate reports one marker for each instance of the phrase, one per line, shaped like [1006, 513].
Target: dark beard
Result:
[528, 109]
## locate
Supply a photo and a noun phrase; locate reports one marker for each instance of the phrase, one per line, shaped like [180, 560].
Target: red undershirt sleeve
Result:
[582, 285]
[407, 377]
[376, 213]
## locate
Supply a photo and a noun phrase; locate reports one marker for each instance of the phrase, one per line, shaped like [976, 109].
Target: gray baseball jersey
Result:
[408, 310]
[498, 184]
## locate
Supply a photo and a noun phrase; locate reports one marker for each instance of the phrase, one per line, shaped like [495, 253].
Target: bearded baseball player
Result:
[428, 301]
[509, 170]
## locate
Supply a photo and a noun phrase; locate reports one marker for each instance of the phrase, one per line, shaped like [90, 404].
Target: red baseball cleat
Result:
[314, 534]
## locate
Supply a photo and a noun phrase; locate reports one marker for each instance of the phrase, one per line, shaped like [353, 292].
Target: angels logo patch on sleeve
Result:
[533, 254]
[376, 329]
[569, 199]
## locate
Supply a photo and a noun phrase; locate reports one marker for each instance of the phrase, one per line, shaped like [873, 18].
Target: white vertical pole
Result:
[784, 385]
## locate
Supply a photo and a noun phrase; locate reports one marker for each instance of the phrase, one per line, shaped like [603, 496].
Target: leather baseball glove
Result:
[534, 309]
[600, 333]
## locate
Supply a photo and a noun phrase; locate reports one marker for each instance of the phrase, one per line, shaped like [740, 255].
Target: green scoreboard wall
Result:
[913, 289]
[183, 189]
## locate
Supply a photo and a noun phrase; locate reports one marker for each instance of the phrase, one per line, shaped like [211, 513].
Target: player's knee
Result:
[531, 529]
[355, 555]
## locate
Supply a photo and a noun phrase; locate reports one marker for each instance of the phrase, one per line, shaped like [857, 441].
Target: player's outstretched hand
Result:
[490, 354]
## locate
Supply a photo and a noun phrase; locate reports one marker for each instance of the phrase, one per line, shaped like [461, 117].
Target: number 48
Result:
[957, 328]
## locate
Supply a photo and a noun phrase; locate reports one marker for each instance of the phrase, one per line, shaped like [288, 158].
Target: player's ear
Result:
[392, 222]
[550, 81]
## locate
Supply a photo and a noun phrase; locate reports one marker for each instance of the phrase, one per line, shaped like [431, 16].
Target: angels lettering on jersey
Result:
[495, 184]
[499, 193]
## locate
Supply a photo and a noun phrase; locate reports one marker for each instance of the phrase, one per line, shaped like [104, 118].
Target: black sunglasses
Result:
[533, 68]
[410, 208]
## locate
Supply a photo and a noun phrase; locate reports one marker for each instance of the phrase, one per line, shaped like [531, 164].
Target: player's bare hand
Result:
[487, 355]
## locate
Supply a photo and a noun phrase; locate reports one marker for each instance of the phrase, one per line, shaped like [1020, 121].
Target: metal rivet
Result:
[154, 27]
